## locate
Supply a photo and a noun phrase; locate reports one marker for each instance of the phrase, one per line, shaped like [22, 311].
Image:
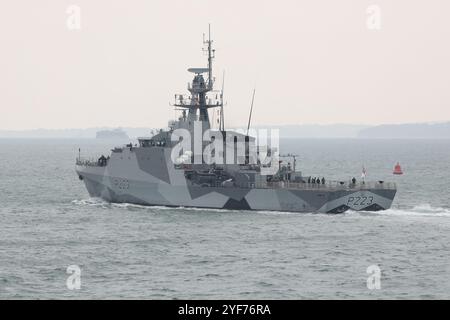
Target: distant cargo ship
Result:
[112, 134]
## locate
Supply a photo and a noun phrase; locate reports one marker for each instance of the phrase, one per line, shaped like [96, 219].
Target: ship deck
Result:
[331, 185]
[328, 186]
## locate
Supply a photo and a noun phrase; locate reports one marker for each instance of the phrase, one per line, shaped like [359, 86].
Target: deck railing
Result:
[91, 162]
[333, 185]
[328, 185]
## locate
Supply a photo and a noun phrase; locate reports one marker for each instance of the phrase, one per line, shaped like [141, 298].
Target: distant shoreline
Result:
[333, 131]
[132, 139]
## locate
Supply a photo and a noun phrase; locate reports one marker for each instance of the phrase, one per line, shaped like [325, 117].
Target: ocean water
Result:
[48, 222]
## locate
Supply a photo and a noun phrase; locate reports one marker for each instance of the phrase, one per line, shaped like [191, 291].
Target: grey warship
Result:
[169, 169]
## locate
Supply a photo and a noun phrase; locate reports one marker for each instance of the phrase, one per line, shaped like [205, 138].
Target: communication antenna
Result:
[222, 118]
[211, 56]
[251, 110]
[293, 156]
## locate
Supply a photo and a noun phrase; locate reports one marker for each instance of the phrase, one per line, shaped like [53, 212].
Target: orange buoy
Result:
[398, 169]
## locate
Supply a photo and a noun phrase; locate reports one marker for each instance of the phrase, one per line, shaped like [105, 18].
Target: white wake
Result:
[422, 210]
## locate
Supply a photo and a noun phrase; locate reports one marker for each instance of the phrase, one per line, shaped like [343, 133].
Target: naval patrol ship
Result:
[172, 168]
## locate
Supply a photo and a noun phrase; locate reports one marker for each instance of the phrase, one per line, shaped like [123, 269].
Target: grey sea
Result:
[123, 251]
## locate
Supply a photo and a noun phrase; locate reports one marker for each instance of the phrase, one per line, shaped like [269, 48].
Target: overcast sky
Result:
[311, 61]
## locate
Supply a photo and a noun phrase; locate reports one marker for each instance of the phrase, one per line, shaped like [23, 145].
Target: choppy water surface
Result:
[48, 222]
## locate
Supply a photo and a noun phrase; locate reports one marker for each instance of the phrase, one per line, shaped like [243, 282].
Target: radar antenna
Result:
[251, 110]
[222, 118]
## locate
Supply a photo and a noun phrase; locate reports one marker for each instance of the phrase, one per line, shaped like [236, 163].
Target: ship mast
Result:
[211, 54]
[199, 100]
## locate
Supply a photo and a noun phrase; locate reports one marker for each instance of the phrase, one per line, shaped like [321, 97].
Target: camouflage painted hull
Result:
[147, 174]
[141, 181]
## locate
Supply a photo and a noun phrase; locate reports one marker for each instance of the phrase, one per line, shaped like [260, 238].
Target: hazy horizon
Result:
[312, 63]
[260, 125]
[439, 130]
